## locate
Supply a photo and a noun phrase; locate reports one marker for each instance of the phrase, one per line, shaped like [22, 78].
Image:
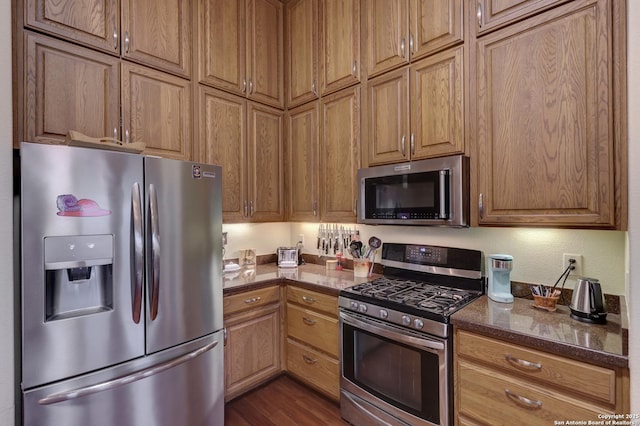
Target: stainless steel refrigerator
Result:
[121, 277]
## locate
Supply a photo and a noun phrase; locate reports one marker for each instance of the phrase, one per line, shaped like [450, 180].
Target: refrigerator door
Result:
[180, 386]
[183, 207]
[80, 296]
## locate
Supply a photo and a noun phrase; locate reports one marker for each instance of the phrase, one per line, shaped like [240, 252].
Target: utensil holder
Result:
[545, 303]
[361, 267]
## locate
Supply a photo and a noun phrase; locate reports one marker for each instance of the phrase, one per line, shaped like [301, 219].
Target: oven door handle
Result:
[390, 333]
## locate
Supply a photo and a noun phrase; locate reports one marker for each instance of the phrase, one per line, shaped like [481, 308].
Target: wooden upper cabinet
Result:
[66, 87]
[222, 41]
[158, 33]
[437, 107]
[156, 110]
[242, 48]
[301, 51]
[401, 31]
[491, 14]
[339, 155]
[302, 189]
[222, 140]
[434, 25]
[388, 118]
[544, 120]
[339, 44]
[266, 165]
[96, 23]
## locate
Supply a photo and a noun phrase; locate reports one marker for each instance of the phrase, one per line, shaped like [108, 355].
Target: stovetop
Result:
[421, 287]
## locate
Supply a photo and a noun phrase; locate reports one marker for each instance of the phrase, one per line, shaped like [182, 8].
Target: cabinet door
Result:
[265, 53]
[492, 14]
[265, 163]
[303, 190]
[158, 33]
[222, 34]
[388, 118]
[65, 87]
[340, 155]
[437, 108]
[252, 349]
[222, 124]
[435, 25]
[156, 110]
[545, 108]
[94, 24]
[339, 44]
[302, 51]
[387, 35]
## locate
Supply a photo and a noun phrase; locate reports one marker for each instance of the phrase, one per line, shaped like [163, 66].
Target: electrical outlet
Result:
[577, 271]
[301, 239]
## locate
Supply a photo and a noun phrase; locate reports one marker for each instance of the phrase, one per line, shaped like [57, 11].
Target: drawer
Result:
[574, 376]
[486, 396]
[313, 367]
[250, 299]
[313, 300]
[311, 327]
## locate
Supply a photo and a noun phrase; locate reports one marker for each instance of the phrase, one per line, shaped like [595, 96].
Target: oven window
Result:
[401, 375]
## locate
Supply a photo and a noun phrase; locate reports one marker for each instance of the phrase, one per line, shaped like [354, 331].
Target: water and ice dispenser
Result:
[78, 275]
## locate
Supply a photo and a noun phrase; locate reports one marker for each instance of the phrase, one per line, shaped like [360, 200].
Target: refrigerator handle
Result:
[138, 251]
[125, 380]
[155, 251]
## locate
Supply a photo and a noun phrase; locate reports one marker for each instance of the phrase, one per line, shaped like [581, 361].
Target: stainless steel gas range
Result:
[396, 340]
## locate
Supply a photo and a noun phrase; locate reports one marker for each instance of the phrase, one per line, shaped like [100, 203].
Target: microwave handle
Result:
[444, 175]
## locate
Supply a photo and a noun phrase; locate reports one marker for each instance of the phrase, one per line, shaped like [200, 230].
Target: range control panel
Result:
[426, 254]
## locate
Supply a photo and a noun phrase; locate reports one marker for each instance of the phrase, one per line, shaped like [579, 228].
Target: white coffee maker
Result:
[498, 277]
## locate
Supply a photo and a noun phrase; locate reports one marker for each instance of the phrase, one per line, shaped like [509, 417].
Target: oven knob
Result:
[383, 313]
[418, 323]
[362, 308]
[406, 320]
[353, 305]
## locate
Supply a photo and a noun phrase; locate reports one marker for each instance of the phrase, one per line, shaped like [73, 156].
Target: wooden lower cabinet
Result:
[497, 382]
[252, 352]
[313, 348]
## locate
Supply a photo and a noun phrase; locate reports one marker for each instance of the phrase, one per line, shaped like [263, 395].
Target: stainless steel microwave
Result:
[431, 192]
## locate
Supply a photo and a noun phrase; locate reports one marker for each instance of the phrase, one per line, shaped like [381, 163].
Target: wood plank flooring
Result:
[282, 402]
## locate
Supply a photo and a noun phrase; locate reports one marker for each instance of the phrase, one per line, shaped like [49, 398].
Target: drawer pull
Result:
[308, 321]
[530, 403]
[308, 299]
[308, 359]
[252, 300]
[523, 363]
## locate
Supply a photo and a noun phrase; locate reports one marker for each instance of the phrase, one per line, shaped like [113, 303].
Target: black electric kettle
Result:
[587, 302]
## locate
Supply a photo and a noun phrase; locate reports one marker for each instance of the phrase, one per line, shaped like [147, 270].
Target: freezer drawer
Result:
[180, 386]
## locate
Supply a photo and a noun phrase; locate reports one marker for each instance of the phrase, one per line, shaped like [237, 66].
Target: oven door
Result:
[392, 375]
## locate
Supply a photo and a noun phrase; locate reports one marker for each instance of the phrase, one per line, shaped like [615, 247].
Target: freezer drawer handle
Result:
[112, 384]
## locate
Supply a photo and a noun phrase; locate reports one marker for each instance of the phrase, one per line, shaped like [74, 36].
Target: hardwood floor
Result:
[282, 402]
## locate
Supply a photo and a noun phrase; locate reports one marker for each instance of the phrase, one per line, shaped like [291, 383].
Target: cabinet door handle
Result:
[115, 39]
[315, 208]
[355, 68]
[246, 208]
[308, 359]
[480, 206]
[530, 403]
[413, 144]
[479, 14]
[115, 133]
[252, 300]
[244, 86]
[402, 47]
[313, 87]
[252, 209]
[224, 335]
[250, 86]
[308, 299]
[402, 145]
[308, 321]
[126, 136]
[355, 206]
[126, 42]
[411, 43]
[523, 363]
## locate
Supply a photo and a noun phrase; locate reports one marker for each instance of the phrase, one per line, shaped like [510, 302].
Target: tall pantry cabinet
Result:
[108, 69]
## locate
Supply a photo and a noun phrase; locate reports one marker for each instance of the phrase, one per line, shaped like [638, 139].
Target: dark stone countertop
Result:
[311, 276]
[554, 332]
